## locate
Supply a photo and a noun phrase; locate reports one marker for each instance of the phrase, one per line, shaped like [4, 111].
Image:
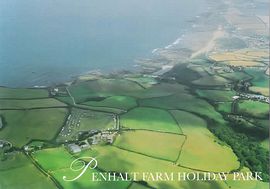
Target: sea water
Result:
[43, 42]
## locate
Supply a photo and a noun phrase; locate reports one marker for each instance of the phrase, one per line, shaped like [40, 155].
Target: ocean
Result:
[45, 42]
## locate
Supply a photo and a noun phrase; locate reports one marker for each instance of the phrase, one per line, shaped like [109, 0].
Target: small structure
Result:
[74, 148]
[235, 97]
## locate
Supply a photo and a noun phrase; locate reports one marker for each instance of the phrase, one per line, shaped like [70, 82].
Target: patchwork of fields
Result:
[160, 126]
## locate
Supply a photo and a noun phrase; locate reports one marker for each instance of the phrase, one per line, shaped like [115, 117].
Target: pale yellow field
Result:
[241, 57]
[202, 150]
[113, 159]
[159, 145]
[263, 90]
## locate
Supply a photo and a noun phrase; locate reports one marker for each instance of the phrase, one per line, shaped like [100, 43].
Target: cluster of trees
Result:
[248, 150]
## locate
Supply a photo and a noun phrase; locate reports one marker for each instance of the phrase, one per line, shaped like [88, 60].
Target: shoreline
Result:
[199, 39]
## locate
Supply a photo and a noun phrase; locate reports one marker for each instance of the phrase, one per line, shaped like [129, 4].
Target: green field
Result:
[120, 102]
[56, 161]
[115, 159]
[184, 102]
[23, 93]
[246, 184]
[253, 108]
[84, 91]
[65, 99]
[18, 172]
[216, 95]
[225, 107]
[97, 120]
[144, 81]
[147, 142]
[160, 90]
[202, 150]
[149, 119]
[28, 104]
[211, 81]
[236, 76]
[260, 81]
[22, 126]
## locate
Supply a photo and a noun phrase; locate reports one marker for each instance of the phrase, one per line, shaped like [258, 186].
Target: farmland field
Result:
[225, 107]
[115, 159]
[23, 93]
[213, 155]
[236, 76]
[211, 81]
[149, 119]
[22, 126]
[28, 104]
[57, 162]
[186, 102]
[84, 91]
[147, 142]
[18, 172]
[216, 95]
[120, 102]
[97, 120]
[253, 108]
[260, 81]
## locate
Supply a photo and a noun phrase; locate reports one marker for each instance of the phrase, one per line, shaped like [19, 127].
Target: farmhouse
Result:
[74, 148]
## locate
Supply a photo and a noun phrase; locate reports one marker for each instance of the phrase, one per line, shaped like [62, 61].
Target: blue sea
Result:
[43, 42]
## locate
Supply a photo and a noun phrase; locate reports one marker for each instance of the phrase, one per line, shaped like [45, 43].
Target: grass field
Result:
[253, 108]
[184, 102]
[65, 99]
[149, 119]
[97, 120]
[115, 159]
[56, 161]
[84, 91]
[239, 184]
[120, 102]
[216, 95]
[23, 93]
[225, 107]
[144, 81]
[236, 76]
[147, 142]
[17, 172]
[22, 126]
[27, 104]
[202, 150]
[159, 90]
[262, 90]
[260, 81]
[211, 81]
[240, 57]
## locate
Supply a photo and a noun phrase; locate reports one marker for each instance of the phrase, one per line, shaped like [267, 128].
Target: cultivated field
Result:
[22, 126]
[202, 150]
[28, 104]
[149, 119]
[22, 93]
[18, 172]
[147, 142]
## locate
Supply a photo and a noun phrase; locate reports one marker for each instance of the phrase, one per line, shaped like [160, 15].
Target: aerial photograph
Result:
[134, 94]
